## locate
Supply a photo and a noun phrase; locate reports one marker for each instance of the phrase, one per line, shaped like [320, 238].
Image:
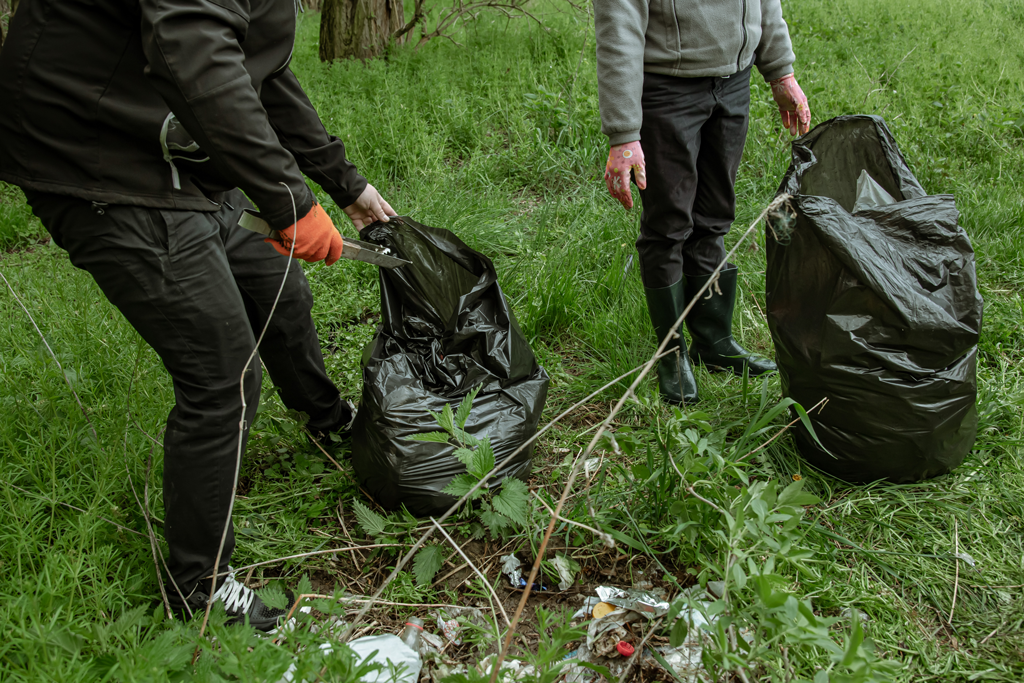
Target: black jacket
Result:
[164, 103]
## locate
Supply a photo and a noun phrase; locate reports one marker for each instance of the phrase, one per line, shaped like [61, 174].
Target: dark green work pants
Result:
[199, 289]
[693, 134]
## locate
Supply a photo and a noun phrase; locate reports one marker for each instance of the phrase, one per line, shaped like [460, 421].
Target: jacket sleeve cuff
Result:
[777, 72]
[623, 138]
[353, 188]
[281, 218]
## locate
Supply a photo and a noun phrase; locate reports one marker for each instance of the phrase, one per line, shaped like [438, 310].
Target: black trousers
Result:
[199, 288]
[692, 135]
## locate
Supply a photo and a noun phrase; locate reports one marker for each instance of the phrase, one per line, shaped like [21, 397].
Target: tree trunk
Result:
[5, 12]
[358, 28]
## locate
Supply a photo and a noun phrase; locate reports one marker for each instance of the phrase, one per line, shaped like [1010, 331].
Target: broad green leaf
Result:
[483, 460]
[805, 609]
[790, 492]
[446, 419]
[305, 586]
[623, 538]
[855, 639]
[430, 437]
[641, 472]
[460, 485]
[512, 500]
[466, 438]
[273, 597]
[462, 414]
[679, 631]
[426, 563]
[739, 577]
[465, 456]
[372, 523]
[495, 521]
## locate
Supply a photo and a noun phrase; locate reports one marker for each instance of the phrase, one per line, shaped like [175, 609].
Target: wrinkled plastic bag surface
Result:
[446, 329]
[873, 304]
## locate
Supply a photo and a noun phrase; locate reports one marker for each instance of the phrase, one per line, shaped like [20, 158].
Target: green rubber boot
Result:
[675, 374]
[710, 325]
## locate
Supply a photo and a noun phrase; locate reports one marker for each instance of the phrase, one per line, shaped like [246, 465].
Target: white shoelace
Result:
[237, 598]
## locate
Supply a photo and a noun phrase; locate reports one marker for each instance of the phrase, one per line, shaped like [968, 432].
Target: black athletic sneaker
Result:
[234, 598]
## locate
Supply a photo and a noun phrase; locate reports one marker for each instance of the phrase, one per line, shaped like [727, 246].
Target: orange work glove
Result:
[796, 115]
[315, 238]
[622, 158]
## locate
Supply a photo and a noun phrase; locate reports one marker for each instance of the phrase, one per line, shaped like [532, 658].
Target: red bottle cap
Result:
[624, 648]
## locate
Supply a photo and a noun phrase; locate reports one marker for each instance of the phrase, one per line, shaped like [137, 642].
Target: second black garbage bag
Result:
[446, 329]
[873, 304]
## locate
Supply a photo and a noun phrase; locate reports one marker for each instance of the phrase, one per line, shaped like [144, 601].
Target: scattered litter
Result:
[448, 623]
[966, 558]
[511, 669]
[589, 603]
[401, 663]
[563, 566]
[604, 634]
[645, 602]
[590, 466]
[602, 609]
[510, 567]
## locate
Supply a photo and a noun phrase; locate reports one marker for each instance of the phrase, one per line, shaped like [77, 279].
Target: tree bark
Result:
[358, 28]
[5, 13]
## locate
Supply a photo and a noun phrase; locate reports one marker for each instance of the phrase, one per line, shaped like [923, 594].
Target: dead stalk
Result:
[778, 201]
[455, 506]
[63, 373]
[608, 540]
[483, 578]
[956, 580]
[241, 433]
[819, 406]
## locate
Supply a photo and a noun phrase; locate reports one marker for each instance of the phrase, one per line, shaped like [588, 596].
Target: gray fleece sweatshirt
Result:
[687, 38]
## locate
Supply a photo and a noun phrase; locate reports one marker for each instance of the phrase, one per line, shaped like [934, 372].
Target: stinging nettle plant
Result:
[497, 512]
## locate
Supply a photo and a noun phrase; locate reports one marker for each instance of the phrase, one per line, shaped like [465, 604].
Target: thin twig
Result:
[63, 373]
[956, 580]
[356, 557]
[608, 540]
[330, 551]
[638, 652]
[819, 406]
[153, 545]
[453, 572]
[985, 639]
[455, 506]
[242, 425]
[483, 578]
[778, 201]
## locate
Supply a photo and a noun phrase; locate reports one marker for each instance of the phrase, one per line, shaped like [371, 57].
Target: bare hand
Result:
[369, 208]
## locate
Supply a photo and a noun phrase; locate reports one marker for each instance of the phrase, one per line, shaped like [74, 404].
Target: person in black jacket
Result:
[139, 130]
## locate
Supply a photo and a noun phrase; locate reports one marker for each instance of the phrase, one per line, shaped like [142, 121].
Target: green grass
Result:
[449, 136]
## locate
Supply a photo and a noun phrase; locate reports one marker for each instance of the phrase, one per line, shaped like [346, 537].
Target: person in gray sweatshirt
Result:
[674, 88]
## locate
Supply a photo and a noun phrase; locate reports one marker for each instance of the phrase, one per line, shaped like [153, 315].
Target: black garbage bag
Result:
[873, 304]
[446, 329]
